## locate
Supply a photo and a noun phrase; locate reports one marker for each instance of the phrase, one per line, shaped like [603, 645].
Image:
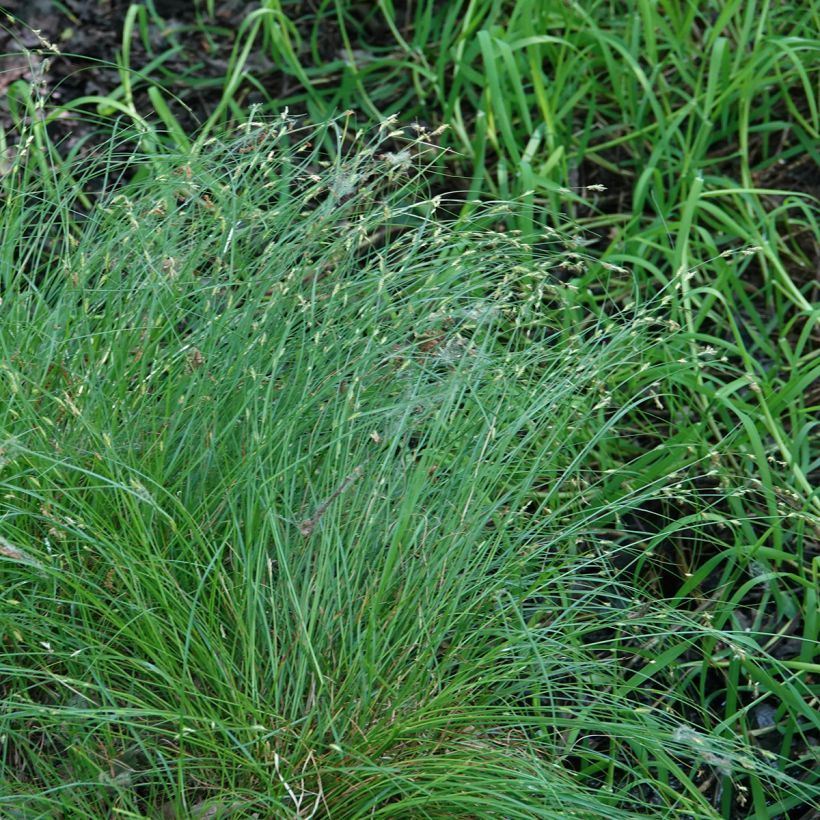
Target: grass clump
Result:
[316, 505]
[683, 140]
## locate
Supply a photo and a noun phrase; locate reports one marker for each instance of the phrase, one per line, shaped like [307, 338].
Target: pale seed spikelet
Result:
[11, 552]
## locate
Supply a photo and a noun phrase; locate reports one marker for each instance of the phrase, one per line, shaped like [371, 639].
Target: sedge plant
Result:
[316, 504]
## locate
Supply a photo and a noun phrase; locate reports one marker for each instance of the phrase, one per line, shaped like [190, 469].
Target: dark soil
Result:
[88, 34]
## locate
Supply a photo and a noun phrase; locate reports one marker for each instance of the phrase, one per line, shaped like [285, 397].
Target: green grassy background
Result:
[525, 520]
